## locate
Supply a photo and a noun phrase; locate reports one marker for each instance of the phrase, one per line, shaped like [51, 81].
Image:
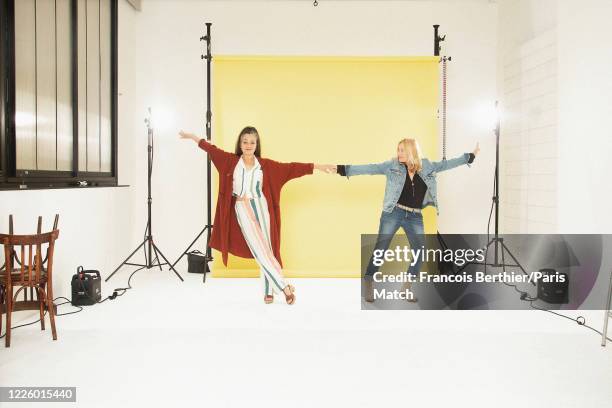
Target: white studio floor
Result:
[219, 345]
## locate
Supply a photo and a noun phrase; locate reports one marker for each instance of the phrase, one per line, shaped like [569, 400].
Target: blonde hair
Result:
[411, 145]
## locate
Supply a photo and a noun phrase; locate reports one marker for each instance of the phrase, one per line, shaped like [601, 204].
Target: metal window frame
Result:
[12, 178]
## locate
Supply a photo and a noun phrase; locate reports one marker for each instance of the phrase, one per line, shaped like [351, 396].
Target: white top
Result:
[247, 182]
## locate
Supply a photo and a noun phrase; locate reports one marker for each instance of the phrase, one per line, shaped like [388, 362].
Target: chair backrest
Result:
[39, 227]
[38, 231]
[33, 268]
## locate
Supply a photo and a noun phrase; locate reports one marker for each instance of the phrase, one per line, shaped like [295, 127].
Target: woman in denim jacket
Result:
[410, 187]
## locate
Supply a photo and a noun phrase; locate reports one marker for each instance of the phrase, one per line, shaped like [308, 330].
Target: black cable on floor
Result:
[123, 290]
[45, 314]
[524, 295]
[67, 301]
[113, 296]
[580, 319]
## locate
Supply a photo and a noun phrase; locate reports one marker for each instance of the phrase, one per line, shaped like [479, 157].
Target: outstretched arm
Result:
[216, 155]
[465, 158]
[290, 171]
[363, 169]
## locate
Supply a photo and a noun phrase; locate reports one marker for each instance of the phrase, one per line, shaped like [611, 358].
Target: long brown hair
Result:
[249, 130]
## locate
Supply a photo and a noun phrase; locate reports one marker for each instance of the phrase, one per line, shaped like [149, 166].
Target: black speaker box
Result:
[552, 290]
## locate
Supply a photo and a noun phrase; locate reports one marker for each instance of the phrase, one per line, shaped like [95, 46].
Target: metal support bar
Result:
[607, 314]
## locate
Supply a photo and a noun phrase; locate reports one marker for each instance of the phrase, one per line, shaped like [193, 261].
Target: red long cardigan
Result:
[226, 234]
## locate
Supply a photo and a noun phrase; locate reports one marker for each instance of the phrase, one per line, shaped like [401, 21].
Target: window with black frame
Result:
[59, 94]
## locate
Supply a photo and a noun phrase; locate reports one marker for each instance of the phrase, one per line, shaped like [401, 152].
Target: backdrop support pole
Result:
[437, 40]
[208, 227]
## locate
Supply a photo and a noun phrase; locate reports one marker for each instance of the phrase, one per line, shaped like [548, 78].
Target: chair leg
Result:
[41, 304]
[1, 305]
[9, 310]
[51, 314]
[49, 290]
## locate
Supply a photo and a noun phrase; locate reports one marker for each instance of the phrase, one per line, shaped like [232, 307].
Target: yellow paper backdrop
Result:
[338, 110]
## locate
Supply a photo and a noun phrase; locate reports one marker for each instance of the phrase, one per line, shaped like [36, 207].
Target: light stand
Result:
[499, 245]
[500, 248]
[208, 227]
[150, 246]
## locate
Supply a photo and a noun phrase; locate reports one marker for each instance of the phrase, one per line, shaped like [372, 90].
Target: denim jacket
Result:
[396, 173]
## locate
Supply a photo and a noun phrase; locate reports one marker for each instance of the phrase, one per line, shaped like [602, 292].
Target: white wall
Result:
[528, 83]
[94, 228]
[585, 112]
[555, 160]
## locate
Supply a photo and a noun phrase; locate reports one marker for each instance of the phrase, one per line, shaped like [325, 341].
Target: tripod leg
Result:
[144, 250]
[503, 259]
[465, 265]
[189, 247]
[487, 255]
[146, 257]
[607, 315]
[126, 259]
[208, 259]
[166, 260]
[157, 256]
[504, 247]
[513, 258]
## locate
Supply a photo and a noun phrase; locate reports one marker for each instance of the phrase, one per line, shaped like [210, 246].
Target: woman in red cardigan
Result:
[247, 219]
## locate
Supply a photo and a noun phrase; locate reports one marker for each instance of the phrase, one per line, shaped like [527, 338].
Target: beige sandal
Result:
[290, 298]
[414, 298]
[268, 299]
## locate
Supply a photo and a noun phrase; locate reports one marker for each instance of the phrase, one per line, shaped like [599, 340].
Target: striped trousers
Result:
[254, 220]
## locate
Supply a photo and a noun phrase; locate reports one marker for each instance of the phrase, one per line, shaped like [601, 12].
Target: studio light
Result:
[152, 253]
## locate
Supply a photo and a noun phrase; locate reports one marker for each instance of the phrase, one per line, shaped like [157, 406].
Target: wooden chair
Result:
[26, 267]
[16, 259]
